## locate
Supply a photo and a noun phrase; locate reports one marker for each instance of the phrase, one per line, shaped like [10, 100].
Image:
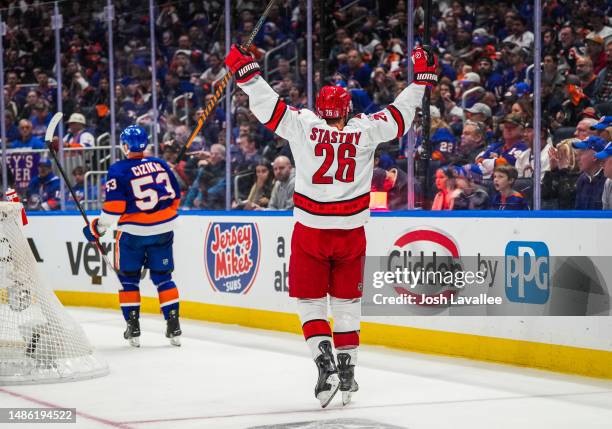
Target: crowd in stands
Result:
[482, 117]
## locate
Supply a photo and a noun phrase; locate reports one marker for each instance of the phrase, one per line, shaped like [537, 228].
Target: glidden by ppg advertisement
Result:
[424, 273]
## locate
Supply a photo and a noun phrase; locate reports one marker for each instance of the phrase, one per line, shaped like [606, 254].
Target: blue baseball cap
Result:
[521, 89]
[606, 152]
[473, 172]
[46, 162]
[603, 123]
[592, 142]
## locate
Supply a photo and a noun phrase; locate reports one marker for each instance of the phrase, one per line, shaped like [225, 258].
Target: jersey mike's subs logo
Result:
[232, 256]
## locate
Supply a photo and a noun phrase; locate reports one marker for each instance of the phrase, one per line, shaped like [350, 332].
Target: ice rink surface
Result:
[233, 377]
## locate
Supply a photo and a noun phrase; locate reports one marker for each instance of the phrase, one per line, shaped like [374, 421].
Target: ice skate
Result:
[173, 328]
[346, 372]
[328, 382]
[132, 332]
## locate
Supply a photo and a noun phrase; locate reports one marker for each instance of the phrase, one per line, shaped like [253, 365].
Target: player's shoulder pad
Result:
[119, 168]
[305, 115]
[361, 120]
[163, 163]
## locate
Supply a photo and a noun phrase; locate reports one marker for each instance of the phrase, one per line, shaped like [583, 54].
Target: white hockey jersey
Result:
[333, 167]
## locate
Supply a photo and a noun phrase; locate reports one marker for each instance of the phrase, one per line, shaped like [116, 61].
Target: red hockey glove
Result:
[242, 64]
[424, 74]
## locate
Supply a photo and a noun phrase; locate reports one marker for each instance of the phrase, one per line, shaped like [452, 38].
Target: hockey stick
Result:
[55, 120]
[426, 153]
[221, 88]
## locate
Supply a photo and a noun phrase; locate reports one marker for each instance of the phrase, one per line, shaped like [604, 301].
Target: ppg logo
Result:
[527, 272]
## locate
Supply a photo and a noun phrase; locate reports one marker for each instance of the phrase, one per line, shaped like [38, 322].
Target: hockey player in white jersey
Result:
[334, 165]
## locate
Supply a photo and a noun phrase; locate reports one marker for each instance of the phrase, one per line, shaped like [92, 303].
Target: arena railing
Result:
[238, 197]
[185, 98]
[293, 60]
[93, 190]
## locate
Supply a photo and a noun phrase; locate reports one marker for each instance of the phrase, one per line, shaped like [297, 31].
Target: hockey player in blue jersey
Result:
[142, 197]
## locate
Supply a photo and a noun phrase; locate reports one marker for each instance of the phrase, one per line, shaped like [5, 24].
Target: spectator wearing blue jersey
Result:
[356, 69]
[518, 69]
[78, 174]
[12, 132]
[506, 198]
[491, 80]
[590, 183]
[26, 139]
[44, 189]
[444, 145]
[507, 150]
[211, 170]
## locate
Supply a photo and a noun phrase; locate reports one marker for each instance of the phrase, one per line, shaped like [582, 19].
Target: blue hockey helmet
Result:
[135, 137]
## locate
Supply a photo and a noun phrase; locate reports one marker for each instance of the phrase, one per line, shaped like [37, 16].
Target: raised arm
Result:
[395, 120]
[264, 102]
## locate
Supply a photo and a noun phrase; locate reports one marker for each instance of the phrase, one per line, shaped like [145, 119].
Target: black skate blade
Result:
[134, 341]
[326, 396]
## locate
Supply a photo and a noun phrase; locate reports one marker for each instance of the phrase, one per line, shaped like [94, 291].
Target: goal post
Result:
[39, 341]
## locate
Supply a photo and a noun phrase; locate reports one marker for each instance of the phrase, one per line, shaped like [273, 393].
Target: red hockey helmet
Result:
[333, 102]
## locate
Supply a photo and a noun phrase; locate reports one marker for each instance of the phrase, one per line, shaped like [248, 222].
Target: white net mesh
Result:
[39, 341]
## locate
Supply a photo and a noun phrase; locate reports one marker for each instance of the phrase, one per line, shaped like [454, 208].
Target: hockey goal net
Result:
[39, 341]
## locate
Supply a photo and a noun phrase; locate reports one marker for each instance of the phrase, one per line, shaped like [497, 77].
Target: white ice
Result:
[228, 376]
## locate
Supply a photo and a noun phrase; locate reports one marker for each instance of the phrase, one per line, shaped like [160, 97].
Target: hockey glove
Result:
[424, 74]
[242, 64]
[93, 231]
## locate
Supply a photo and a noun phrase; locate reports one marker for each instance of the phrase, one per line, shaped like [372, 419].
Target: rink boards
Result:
[233, 268]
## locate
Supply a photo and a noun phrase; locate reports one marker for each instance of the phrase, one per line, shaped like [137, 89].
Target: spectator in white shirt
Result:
[77, 135]
[520, 35]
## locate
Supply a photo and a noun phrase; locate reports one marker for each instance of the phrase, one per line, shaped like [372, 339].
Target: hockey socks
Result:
[168, 293]
[129, 296]
[347, 317]
[313, 314]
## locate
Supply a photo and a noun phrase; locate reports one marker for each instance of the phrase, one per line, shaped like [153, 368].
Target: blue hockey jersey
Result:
[44, 191]
[142, 196]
